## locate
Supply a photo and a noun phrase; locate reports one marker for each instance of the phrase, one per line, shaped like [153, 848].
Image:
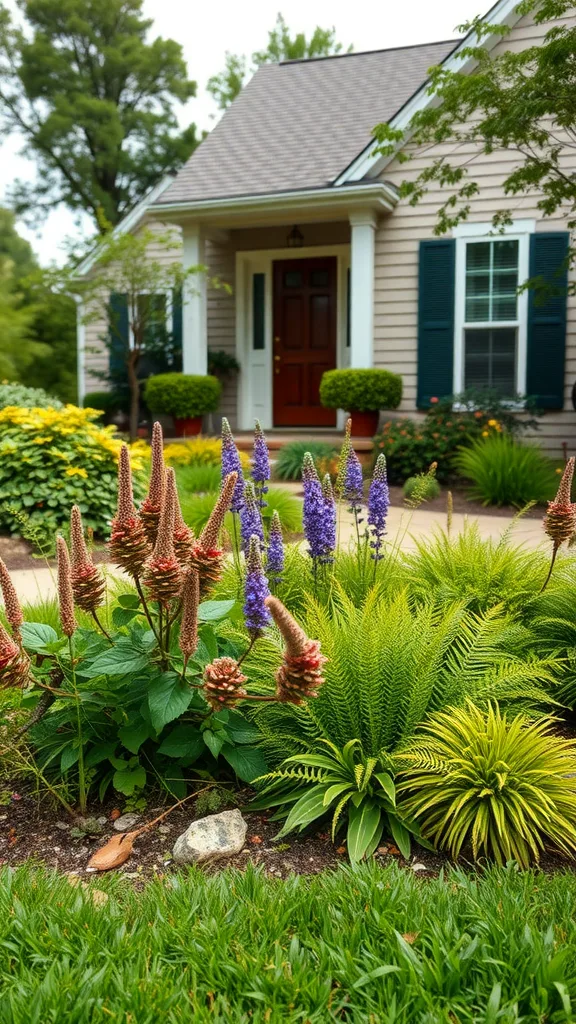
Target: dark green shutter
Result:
[177, 329]
[118, 333]
[435, 320]
[547, 320]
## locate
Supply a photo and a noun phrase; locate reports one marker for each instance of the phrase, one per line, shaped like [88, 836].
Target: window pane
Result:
[258, 333]
[319, 279]
[491, 281]
[293, 279]
[490, 360]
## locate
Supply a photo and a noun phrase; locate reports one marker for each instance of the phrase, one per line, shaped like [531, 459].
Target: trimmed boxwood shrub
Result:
[182, 395]
[361, 390]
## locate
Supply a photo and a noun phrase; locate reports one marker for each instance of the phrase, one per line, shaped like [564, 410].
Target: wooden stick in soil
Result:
[118, 849]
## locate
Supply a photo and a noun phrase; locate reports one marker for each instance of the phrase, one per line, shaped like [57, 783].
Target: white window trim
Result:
[519, 231]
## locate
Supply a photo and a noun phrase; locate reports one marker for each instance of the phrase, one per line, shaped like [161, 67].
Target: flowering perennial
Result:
[560, 518]
[151, 507]
[260, 464]
[256, 614]
[275, 554]
[11, 603]
[65, 594]
[162, 572]
[188, 639]
[231, 464]
[223, 683]
[250, 518]
[128, 544]
[14, 664]
[206, 556]
[329, 520]
[88, 583]
[300, 674]
[378, 505]
[313, 512]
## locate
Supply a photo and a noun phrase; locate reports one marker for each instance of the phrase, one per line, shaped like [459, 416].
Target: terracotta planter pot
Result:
[188, 427]
[364, 424]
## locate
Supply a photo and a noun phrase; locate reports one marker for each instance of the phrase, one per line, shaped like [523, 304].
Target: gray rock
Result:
[126, 821]
[211, 838]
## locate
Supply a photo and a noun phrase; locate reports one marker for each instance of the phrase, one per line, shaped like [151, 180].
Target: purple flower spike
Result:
[378, 504]
[260, 464]
[313, 514]
[329, 520]
[353, 486]
[250, 518]
[275, 562]
[256, 614]
[231, 464]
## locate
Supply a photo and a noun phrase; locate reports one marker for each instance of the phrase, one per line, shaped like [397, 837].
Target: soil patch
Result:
[18, 553]
[462, 504]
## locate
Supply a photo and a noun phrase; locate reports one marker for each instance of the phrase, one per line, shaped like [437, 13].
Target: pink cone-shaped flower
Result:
[223, 683]
[11, 602]
[88, 584]
[162, 572]
[560, 518]
[65, 595]
[300, 675]
[206, 556]
[188, 639]
[14, 663]
[128, 545]
[151, 507]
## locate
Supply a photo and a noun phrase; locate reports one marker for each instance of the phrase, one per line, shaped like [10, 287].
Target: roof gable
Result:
[296, 125]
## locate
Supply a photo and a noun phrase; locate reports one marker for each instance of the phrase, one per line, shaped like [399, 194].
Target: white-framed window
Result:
[491, 317]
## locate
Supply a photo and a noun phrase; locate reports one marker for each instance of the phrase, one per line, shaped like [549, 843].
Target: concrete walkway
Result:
[405, 527]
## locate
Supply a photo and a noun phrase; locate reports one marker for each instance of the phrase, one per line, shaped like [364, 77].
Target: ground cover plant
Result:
[373, 944]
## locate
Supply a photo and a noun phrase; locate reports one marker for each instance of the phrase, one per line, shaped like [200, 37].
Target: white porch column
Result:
[194, 318]
[363, 225]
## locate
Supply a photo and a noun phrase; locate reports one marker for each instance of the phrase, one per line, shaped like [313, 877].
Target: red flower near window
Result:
[433, 401]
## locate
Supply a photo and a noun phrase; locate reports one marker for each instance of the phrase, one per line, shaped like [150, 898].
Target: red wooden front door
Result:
[305, 314]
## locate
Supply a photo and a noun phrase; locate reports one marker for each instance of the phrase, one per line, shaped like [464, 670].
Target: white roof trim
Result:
[368, 163]
[128, 222]
[377, 192]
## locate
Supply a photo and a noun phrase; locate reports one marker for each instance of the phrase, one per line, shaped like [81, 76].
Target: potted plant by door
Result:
[362, 394]
[186, 397]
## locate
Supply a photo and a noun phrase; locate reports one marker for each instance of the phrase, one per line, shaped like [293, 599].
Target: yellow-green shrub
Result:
[51, 459]
[199, 451]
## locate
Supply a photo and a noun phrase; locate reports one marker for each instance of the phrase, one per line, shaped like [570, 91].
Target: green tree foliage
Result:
[225, 86]
[93, 99]
[39, 323]
[523, 103]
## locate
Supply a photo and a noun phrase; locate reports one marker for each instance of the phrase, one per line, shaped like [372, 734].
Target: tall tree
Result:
[225, 86]
[18, 349]
[94, 102]
[520, 102]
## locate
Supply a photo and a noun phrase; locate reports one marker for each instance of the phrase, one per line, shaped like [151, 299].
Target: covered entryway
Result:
[305, 313]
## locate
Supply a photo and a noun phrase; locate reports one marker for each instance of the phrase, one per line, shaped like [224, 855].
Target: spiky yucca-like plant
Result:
[500, 787]
[390, 664]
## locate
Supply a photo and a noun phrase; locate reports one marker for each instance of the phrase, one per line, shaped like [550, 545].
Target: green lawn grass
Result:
[374, 945]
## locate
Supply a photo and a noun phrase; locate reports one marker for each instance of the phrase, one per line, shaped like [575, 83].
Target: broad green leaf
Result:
[213, 611]
[247, 762]
[401, 835]
[36, 635]
[168, 698]
[185, 740]
[70, 756]
[213, 742]
[134, 735]
[335, 791]
[207, 637]
[362, 824]
[309, 807]
[100, 753]
[388, 786]
[122, 616]
[129, 779]
[173, 779]
[129, 601]
[120, 660]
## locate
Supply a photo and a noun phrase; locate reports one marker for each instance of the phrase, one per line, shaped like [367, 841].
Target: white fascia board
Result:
[377, 193]
[368, 163]
[129, 222]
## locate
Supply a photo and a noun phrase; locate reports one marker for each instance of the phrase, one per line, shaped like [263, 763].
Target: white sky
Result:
[207, 30]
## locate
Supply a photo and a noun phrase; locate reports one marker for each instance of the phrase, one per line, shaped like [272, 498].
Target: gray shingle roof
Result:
[297, 125]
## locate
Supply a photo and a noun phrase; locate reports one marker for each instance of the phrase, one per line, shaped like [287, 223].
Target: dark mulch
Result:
[463, 504]
[36, 831]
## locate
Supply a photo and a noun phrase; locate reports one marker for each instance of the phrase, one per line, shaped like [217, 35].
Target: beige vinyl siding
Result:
[396, 259]
[221, 314]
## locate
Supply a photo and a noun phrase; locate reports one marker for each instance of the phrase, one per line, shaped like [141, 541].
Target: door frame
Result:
[255, 378]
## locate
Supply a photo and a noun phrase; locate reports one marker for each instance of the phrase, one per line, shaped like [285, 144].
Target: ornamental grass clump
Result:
[480, 782]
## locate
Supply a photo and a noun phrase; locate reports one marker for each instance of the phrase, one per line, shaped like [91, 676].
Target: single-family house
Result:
[287, 201]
